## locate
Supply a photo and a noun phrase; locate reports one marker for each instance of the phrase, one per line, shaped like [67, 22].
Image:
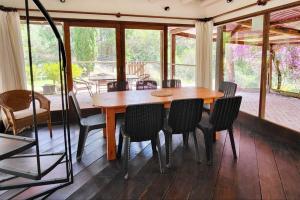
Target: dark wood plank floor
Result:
[264, 170]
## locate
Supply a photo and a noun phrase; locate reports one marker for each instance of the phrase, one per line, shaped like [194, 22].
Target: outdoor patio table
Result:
[116, 102]
[103, 79]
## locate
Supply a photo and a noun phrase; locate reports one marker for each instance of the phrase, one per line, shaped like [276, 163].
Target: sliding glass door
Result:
[182, 55]
[242, 60]
[143, 55]
[94, 63]
[45, 61]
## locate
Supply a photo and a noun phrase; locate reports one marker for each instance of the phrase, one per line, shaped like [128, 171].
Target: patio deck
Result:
[279, 109]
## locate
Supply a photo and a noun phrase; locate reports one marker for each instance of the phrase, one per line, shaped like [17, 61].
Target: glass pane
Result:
[182, 55]
[143, 55]
[242, 60]
[93, 61]
[283, 104]
[45, 61]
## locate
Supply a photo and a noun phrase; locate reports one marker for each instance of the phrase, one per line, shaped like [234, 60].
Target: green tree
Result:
[142, 45]
[51, 70]
[84, 43]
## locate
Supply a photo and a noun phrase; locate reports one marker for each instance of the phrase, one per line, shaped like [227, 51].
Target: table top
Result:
[133, 97]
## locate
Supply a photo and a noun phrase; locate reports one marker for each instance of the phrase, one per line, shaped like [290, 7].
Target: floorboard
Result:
[265, 169]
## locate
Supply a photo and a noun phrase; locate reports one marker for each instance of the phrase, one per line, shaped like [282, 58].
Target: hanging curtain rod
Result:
[8, 9]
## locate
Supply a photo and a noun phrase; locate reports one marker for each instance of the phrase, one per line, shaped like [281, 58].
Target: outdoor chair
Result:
[115, 86]
[142, 123]
[183, 119]
[221, 118]
[146, 85]
[19, 115]
[82, 85]
[172, 83]
[229, 90]
[86, 124]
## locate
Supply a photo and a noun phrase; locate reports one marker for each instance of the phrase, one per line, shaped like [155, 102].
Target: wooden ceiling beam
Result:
[179, 30]
[276, 29]
[187, 35]
[289, 20]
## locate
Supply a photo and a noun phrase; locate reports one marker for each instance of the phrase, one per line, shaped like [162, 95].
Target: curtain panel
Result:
[12, 65]
[204, 40]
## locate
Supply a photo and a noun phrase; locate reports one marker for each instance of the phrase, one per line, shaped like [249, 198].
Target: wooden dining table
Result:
[116, 102]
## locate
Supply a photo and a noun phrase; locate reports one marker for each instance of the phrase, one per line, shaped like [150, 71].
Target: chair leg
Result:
[210, 143]
[126, 156]
[153, 144]
[7, 128]
[159, 155]
[169, 161]
[208, 138]
[196, 147]
[167, 146]
[230, 131]
[120, 145]
[185, 137]
[50, 127]
[84, 130]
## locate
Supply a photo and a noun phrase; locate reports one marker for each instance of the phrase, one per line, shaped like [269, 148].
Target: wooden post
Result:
[272, 54]
[67, 41]
[173, 56]
[165, 53]
[264, 67]
[219, 57]
[120, 46]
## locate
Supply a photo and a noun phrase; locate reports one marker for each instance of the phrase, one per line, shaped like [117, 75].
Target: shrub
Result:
[51, 71]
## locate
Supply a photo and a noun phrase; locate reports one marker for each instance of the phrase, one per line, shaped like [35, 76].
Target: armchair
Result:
[16, 106]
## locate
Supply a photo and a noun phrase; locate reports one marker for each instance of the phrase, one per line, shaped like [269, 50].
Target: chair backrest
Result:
[117, 86]
[228, 88]
[143, 122]
[76, 105]
[16, 99]
[172, 83]
[185, 115]
[224, 113]
[146, 85]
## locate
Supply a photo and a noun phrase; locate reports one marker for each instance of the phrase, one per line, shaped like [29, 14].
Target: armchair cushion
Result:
[28, 113]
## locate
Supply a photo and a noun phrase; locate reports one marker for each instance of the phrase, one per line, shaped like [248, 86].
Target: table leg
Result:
[211, 110]
[110, 134]
[103, 111]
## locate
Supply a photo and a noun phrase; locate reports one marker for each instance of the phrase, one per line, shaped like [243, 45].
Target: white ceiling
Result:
[178, 8]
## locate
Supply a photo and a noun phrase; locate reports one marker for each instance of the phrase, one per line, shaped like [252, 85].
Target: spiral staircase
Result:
[20, 170]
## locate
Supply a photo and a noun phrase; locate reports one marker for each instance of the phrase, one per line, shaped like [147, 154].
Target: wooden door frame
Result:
[120, 28]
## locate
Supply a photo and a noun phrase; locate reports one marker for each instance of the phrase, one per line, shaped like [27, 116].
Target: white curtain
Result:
[12, 67]
[204, 39]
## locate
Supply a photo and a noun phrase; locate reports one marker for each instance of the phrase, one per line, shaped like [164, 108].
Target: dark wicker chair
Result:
[146, 85]
[117, 86]
[86, 124]
[172, 83]
[224, 114]
[229, 90]
[183, 119]
[142, 123]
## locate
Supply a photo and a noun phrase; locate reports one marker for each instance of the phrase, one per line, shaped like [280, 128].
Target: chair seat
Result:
[135, 138]
[204, 123]
[28, 113]
[94, 120]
